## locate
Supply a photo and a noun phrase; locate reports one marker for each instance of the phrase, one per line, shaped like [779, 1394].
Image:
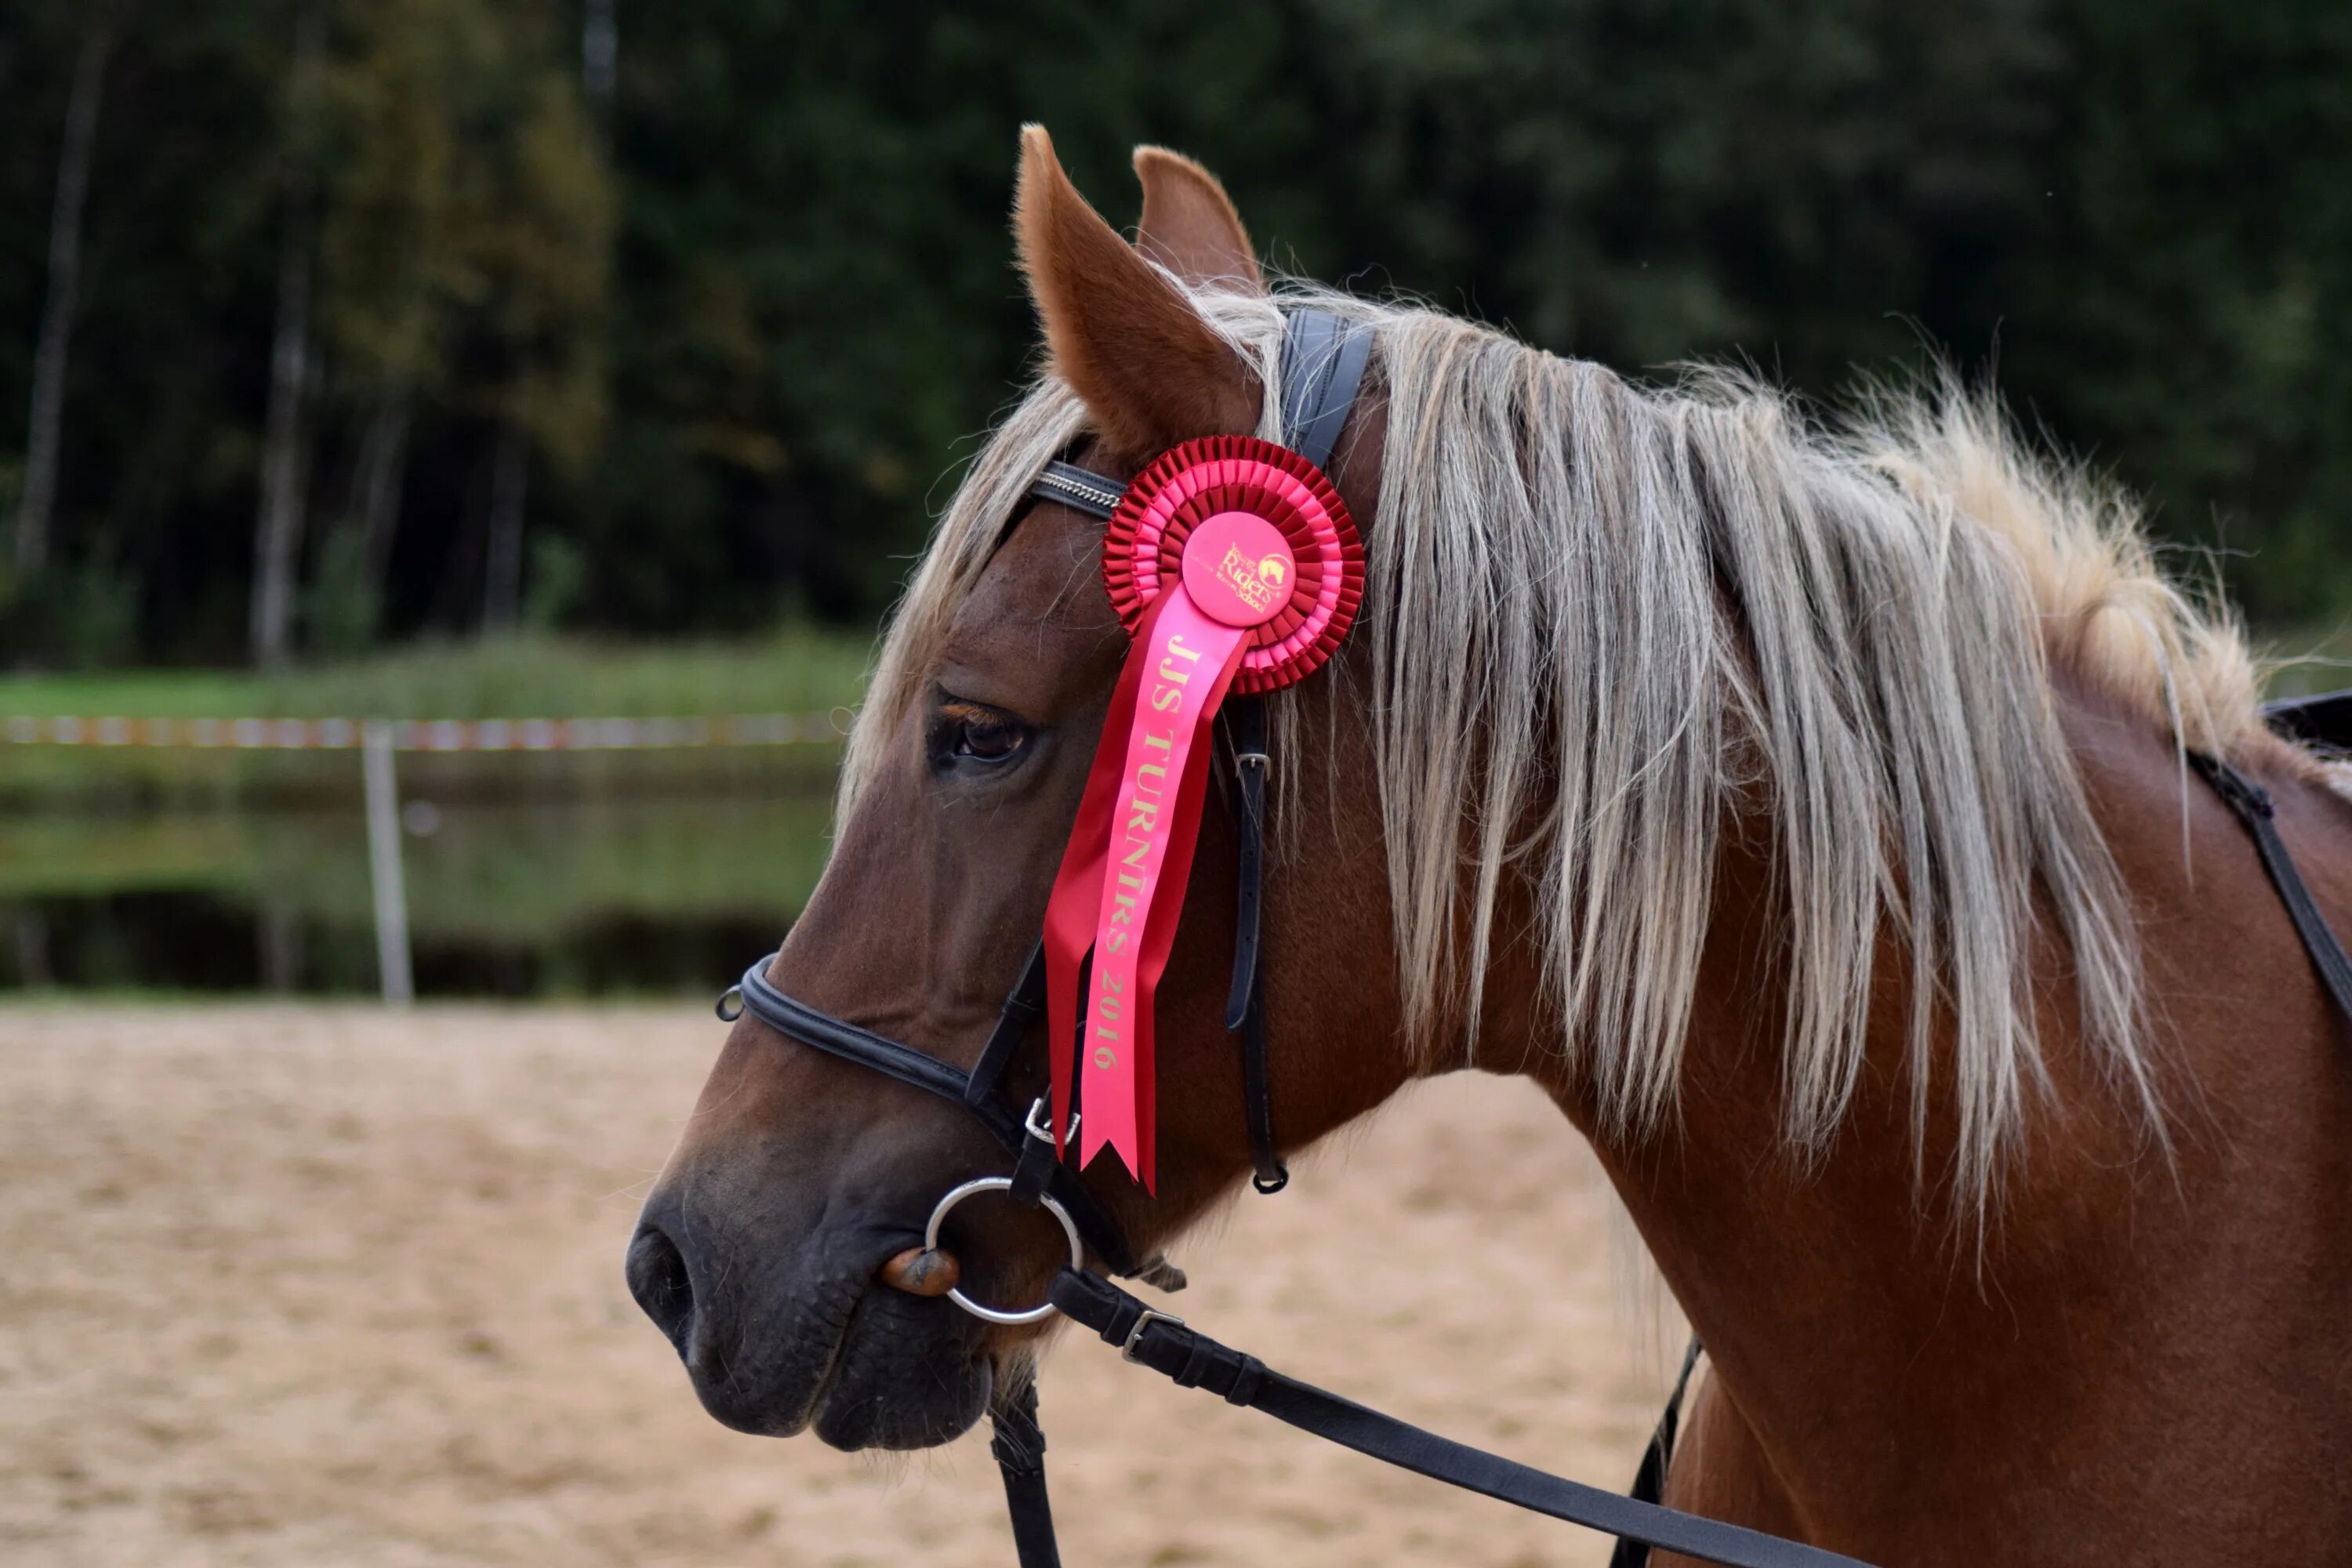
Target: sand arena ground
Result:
[319, 1285]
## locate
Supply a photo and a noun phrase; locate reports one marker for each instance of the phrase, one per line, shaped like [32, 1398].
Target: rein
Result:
[1324, 358]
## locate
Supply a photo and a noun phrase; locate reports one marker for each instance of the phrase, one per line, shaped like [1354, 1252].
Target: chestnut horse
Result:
[1805, 810]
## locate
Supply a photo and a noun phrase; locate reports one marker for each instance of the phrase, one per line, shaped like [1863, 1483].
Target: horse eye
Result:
[986, 737]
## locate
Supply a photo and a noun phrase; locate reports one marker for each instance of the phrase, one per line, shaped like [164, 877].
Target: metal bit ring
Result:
[1036, 1314]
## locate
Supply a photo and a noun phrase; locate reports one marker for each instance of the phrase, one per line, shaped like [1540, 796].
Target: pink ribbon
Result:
[1121, 884]
[1189, 662]
[1130, 858]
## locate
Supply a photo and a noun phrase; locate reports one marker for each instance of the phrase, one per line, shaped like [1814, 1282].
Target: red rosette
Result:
[1143, 550]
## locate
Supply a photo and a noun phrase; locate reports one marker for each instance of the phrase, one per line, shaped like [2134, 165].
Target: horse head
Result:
[798, 1175]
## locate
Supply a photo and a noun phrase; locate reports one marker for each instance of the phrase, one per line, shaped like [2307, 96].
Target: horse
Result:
[1802, 804]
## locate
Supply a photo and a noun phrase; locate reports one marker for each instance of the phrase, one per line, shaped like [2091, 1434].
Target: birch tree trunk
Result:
[285, 465]
[376, 487]
[502, 578]
[47, 424]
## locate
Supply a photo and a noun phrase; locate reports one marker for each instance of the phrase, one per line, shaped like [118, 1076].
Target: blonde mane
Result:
[1597, 614]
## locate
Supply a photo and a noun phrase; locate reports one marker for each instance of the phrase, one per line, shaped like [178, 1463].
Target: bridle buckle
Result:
[1134, 1335]
[1032, 1123]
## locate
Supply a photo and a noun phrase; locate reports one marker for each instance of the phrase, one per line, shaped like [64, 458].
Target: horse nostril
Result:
[659, 1280]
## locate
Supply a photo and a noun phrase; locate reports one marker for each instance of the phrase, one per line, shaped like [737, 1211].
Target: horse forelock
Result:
[1598, 616]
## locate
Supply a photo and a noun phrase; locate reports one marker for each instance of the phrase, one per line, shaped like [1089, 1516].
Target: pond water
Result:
[568, 898]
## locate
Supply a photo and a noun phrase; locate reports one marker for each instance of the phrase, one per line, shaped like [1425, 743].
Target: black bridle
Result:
[1324, 358]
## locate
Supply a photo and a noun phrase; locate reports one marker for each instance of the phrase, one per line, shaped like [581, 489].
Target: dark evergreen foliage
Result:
[746, 318]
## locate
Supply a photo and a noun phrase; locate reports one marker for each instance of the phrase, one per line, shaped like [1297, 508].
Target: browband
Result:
[1092, 493]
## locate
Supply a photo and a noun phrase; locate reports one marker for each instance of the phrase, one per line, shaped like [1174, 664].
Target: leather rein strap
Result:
[2252, 804]
[1193, 1359]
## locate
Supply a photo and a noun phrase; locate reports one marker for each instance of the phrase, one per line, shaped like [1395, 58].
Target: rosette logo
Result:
[1261, 583]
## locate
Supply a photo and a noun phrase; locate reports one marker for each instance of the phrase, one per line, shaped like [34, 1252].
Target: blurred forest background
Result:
[324, 324]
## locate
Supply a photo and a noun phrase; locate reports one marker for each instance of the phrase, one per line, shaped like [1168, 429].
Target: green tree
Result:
[467, 252]
[45, 426]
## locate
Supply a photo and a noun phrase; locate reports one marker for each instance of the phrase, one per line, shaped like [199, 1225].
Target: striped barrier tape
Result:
[432, 734]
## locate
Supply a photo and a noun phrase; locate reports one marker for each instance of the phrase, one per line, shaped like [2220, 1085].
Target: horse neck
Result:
[1855, 1314]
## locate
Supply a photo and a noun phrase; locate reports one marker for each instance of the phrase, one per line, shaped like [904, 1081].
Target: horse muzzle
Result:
[784, 1334]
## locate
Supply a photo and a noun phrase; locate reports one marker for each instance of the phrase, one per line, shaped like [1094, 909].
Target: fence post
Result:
[384, 864]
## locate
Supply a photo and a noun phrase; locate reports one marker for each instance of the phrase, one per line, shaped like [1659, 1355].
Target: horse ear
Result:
[1148, 368]
[1190, 225]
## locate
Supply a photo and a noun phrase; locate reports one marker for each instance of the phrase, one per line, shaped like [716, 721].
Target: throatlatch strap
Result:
[1244, 999]
[1650, 1480]
[1246, 729]
[1194, 1361]
[2252, 804]
[1323, 360]
[1268, 1174]
[1019, 1446]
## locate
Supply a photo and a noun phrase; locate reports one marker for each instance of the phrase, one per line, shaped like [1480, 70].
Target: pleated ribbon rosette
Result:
[1234, 567]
